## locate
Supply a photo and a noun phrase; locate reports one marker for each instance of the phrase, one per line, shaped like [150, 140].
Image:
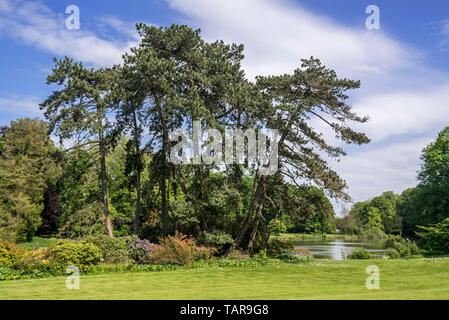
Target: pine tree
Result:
[79, 112]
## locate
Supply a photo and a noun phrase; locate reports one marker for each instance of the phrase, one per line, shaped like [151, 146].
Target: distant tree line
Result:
[425, 205]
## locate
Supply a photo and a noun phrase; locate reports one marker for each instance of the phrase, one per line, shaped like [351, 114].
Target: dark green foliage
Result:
[407, 248]
[51, 212]
[9, 273]
[428, 203]
[278, 226]
[393, 253]
[359, 254]
[113, 250]
[296, 256]
[311, 211]
[216, 239]
[376, 217]
[409, 208]
[348, 224]
[64, 253]
[436, 237]
[78, 111]
[373, 233]
[276, 247]
[27, 168]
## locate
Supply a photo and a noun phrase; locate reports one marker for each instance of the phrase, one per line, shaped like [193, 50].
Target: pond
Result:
[339, 249]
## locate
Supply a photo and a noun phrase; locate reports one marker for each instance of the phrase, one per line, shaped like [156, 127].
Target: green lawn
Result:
[321, 279]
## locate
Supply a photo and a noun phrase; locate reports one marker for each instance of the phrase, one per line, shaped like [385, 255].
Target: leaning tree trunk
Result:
[271, 229]
[104, 188]
[248, 219]
[257, 219]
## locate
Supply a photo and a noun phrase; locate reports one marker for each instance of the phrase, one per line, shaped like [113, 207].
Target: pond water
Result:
[339, 249]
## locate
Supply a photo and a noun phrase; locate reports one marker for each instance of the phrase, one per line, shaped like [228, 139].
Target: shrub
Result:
[374, 233]
[436, 236]
[361, 253]
[216, 239]
[82, 254]
[277, 226]
[393, 253]
[113, 250]
[180, 250]
[18, 262]
[140, 250]
[9, 253]
[31, 260]
[296, 255]
[276, 247]
[407, 248]
[8, 273]
[262, 255]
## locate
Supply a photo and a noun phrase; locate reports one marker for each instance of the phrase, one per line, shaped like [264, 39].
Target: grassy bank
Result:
[304, 236]
[320, 279]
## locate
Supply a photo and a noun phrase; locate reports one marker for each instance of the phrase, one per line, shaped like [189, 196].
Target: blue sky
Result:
[404, 66]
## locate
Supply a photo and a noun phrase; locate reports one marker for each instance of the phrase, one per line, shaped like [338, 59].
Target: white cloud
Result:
[370, 172]
[20, 106]
[35, 24]
[277, 34]
[405, 112]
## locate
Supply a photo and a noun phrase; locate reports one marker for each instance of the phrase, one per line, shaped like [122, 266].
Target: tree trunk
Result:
[104, 189]
[246, 224]
[257, 219]
[271, 229]
[138, 170]
[164, 195]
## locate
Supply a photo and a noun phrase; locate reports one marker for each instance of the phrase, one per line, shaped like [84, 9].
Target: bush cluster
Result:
[361, 253]
[296, 255]
[9, 253]
[179, 249]
[82, 254]
[217, 239]
[436, 237]
[113, 250]
[406, 248]
[51, 260]
[140, 250]
[276, 247]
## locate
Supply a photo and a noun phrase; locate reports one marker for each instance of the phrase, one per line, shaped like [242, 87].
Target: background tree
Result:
[28, 167]
[79, 112]
[434, 179]
[289, 102]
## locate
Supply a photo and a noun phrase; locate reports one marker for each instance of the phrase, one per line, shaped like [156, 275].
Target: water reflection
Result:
[339, 249]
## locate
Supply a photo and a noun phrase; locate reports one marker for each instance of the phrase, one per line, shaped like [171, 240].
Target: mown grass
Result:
[320, 279]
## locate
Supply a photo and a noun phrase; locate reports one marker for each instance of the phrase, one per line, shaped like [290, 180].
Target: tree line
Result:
[114, 124]
[425, 205]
